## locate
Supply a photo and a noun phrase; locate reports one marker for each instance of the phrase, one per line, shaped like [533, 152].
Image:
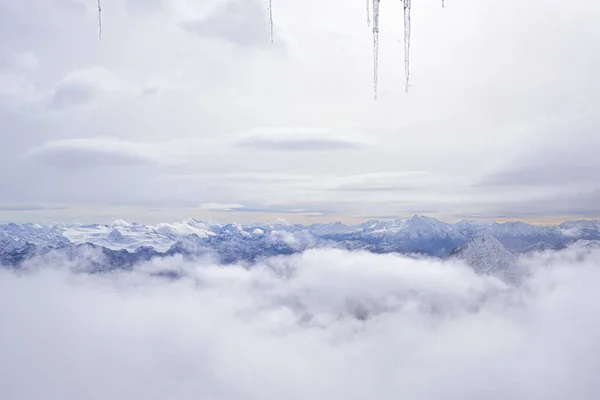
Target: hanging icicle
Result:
[406, 43]
[270, 21]
[99, 20]
[375, 22]
[375, 45]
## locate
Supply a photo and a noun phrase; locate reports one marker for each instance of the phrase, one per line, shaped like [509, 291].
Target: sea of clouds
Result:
[324, 324]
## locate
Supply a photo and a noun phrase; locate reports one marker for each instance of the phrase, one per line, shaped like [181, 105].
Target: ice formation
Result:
[271, 21]
[406, 43]
[99, 20]
[375, 22]
[375, 45]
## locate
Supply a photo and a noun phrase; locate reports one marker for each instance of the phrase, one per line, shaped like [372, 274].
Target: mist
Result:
[324, 324]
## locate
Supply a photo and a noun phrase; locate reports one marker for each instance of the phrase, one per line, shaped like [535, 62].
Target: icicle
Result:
[99, 20]
[270, 22]
[406, 43]
[375, 44]
[369, 12]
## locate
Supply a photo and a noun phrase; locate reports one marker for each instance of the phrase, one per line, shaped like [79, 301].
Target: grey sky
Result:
[185, 104]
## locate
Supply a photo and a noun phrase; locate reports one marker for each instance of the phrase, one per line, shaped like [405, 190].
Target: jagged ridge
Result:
[122, 244]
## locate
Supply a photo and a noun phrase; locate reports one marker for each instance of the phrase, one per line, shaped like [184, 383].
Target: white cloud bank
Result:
[320, 325]
[70, 153]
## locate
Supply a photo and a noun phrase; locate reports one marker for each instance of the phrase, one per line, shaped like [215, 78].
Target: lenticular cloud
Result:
[324, 324]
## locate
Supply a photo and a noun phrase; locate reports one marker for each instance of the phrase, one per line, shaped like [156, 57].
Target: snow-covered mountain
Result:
[418, 234]
[485, 254]
[122, 243]
[582, 244]
[13, 250]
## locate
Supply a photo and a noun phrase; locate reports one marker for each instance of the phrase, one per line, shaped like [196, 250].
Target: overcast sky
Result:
[185, 109]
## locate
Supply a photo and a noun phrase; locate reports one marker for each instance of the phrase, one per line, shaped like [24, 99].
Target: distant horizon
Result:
[244, 218]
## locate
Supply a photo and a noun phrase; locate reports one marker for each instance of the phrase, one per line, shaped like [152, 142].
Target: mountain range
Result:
[486, 246]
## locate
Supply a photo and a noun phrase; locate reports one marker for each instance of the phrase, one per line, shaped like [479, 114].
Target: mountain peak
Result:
[419, 225]
[115, 234]
[423, 218]
[485, 239]
[485, 254]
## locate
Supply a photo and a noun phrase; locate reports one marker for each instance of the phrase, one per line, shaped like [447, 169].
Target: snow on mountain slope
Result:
[11, 244]
[485, 254]
[324, 229]
[232, 242]
[540, 247]
[126, 235]
[181, 229]
[14, 250]
[35, 234]
[130, 236]
[587, 229]
[469, 228]
[512, 229]
[416, 227]
[424, 227]
[119, 238]
[583, 244]
[418, 234]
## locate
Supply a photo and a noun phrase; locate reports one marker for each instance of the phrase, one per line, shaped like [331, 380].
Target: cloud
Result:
[555, 170]
[552, 156]
[298, 139]
[143, 6]
[324, 324]
[15, 79]
[22, 61]
[22, 207]
[220, 207]
[83, 86]
[237, 208]
[93, 152]
[240, 22]
[72, 94]
[390, 181]
[276, 210]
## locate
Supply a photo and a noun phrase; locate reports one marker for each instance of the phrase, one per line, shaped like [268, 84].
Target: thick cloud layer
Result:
[320, 325]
